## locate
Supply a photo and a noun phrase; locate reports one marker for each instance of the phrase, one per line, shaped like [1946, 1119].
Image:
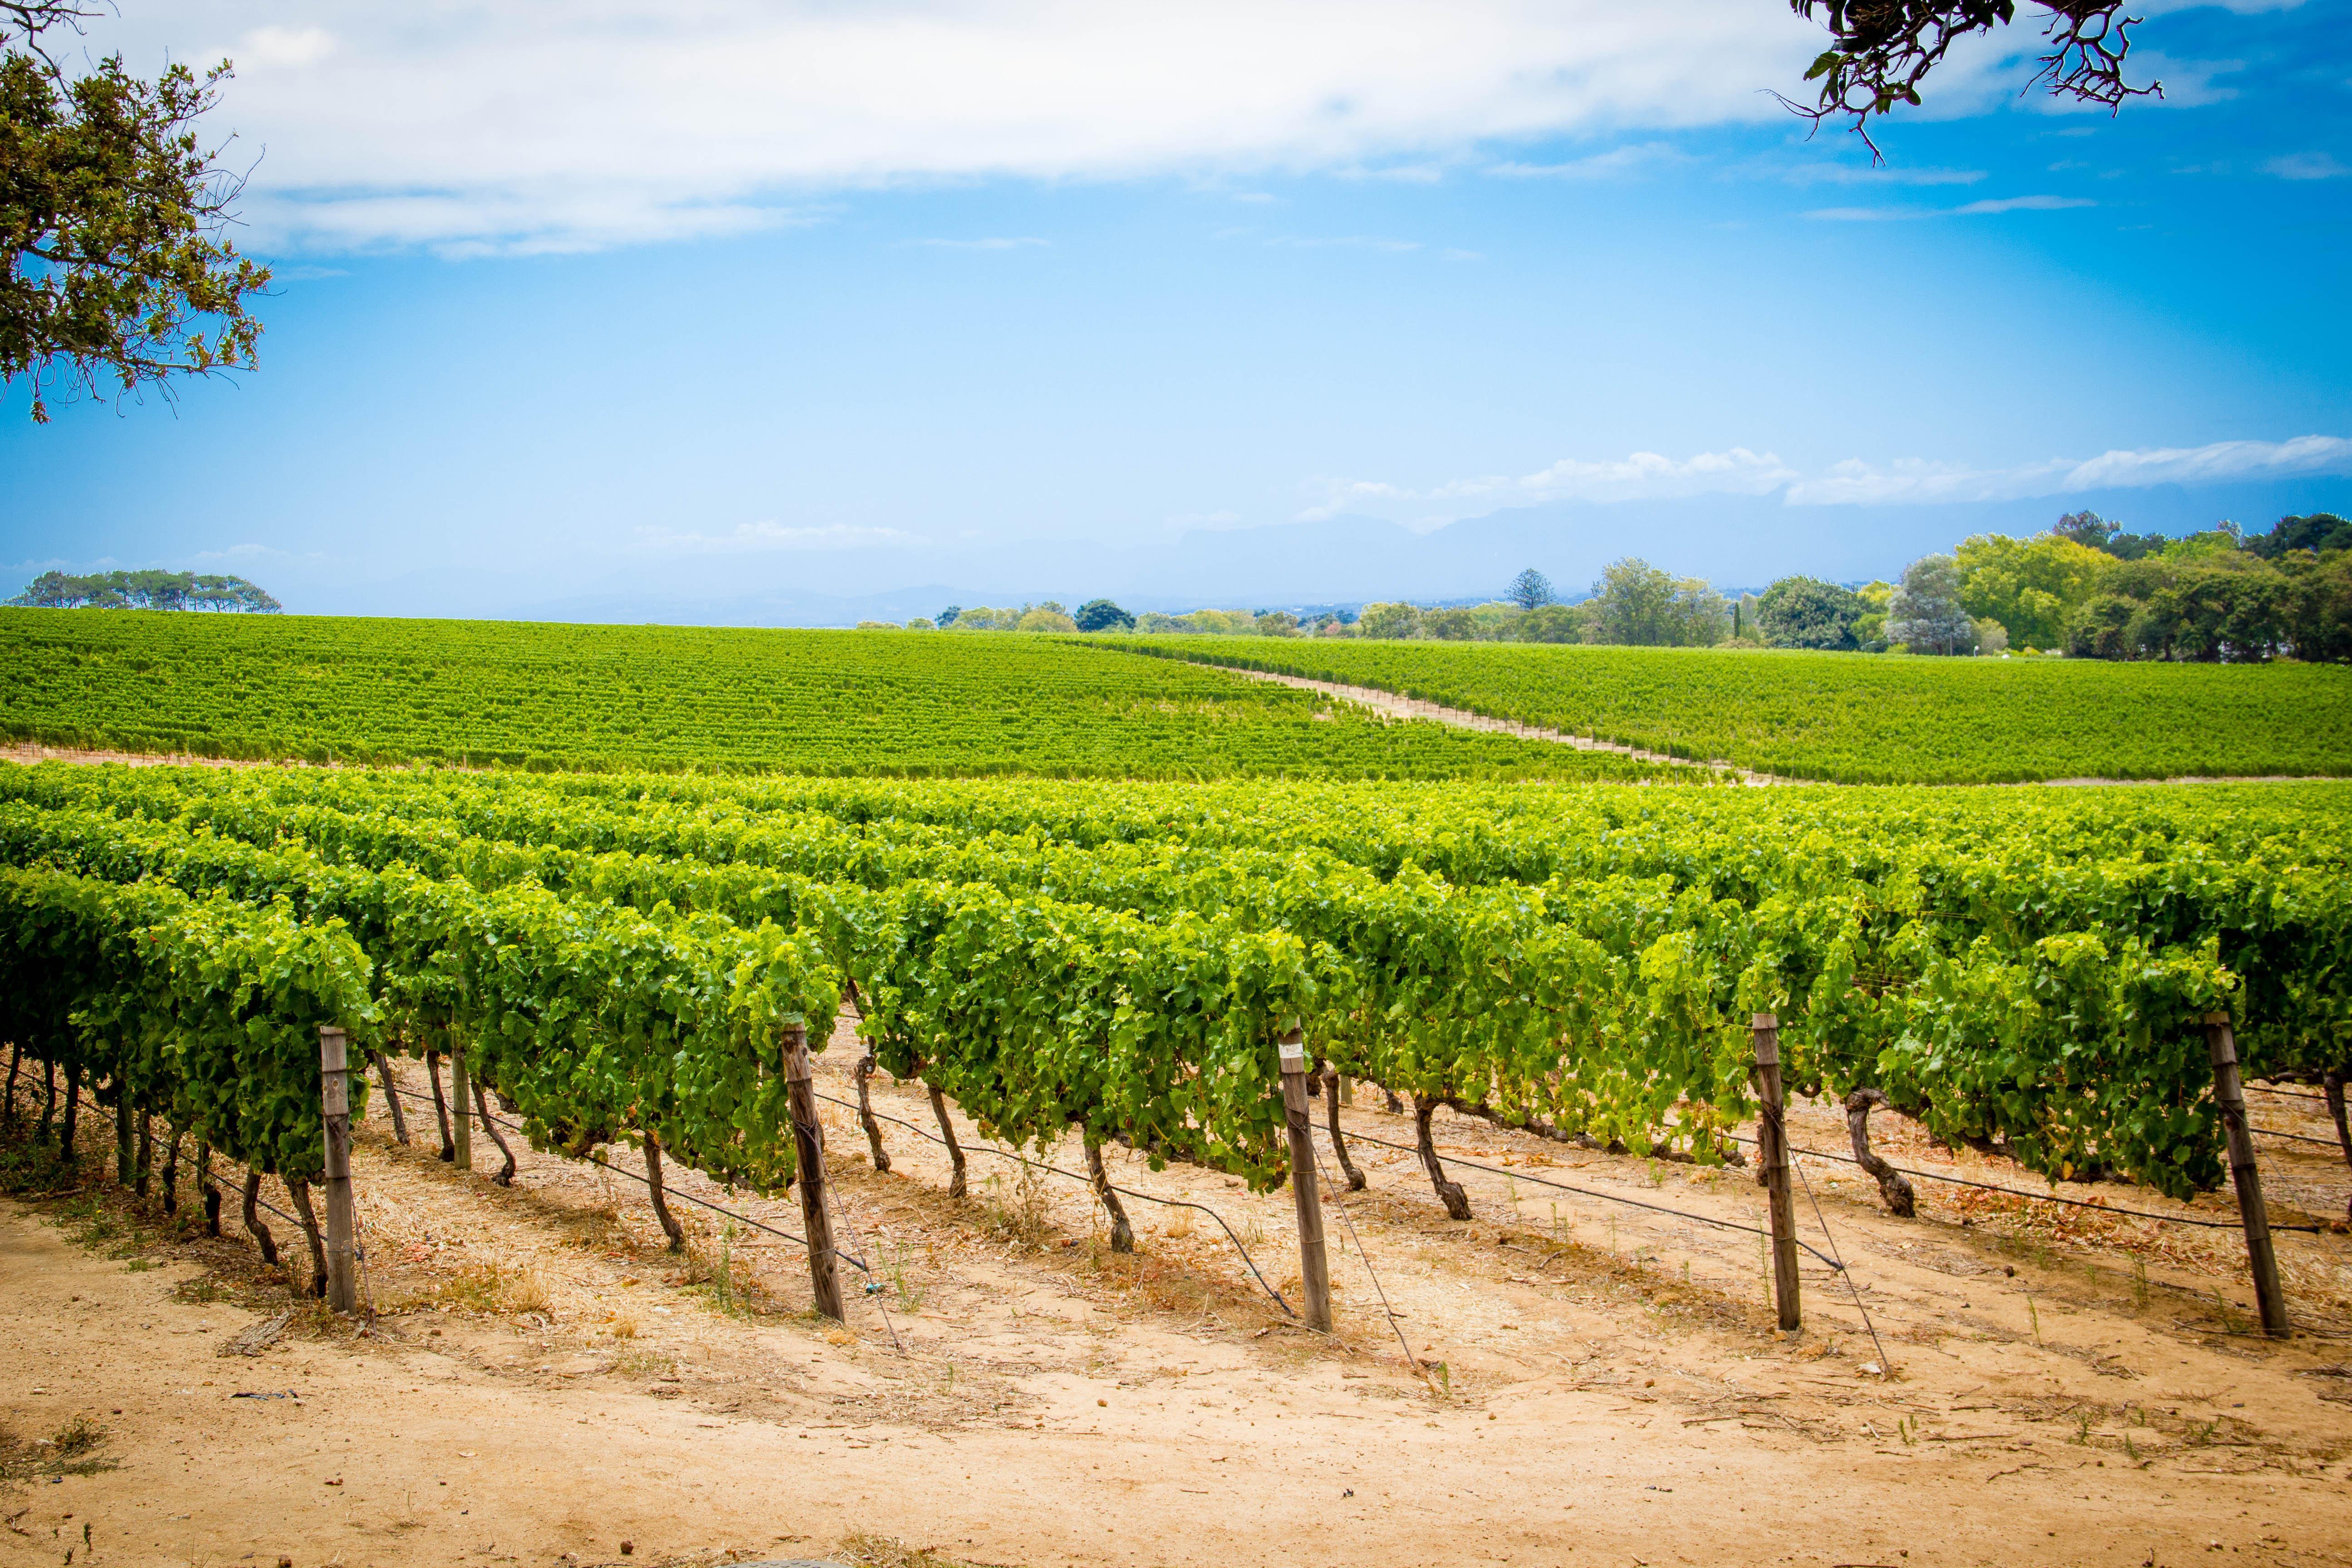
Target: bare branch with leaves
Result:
[1881, 50]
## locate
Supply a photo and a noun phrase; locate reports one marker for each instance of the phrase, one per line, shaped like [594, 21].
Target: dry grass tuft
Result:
[1017, 1210]
[888, 1552]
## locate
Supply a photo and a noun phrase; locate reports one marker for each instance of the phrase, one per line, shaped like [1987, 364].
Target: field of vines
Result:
[616, 954]
[1856, 717]
[520, 694]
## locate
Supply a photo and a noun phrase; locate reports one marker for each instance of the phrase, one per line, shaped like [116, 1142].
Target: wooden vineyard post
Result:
[1314, 1271]
[808, 1151]
[334, 1082]
[2231, 1095]
[457, 1092]
[1772, 1149]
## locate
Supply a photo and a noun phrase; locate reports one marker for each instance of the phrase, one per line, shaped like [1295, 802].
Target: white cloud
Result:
[1971, 209]
[1642, 476]
[563, 124]
[1647, 476]
[2307, 166]
[751, 538]
[1630, 158]
[1916, 481]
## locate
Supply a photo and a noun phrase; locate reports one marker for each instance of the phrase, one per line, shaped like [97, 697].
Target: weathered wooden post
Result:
[458, 1092]
[1772, 1149]
[122, 1134]
[334, 1085]
[1314, 1271]
[2230, 1096]
[808, 1149]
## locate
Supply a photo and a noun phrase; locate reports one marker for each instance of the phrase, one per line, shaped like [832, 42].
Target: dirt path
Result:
[545, 1384]
[1400, 707]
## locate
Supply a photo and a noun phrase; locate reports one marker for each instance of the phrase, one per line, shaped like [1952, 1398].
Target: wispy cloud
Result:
[1641, 476]
[1739, 471]
[2308, 166]
[751, 538]
[1816, 173]
[550, 125]
[1920, 481]
[1971, 209]
[1342, 241]
[1613, 163]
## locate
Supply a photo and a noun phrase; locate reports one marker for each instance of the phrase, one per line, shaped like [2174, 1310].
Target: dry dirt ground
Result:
[544, 1384]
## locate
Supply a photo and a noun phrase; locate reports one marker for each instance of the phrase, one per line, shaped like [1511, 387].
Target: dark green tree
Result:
[1530, 590]
[2316, 534]
[2086, 528]
[1805, 612]
[113, 210]
[1102, 615]
[144, 591]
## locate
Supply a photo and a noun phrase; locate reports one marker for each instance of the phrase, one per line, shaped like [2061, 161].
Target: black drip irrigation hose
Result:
[2049, 1198]
[1604, 1198]
[1247, 1261]
[668, 1190]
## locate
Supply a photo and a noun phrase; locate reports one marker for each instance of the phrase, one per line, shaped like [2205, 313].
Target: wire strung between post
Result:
[1604, 1198]
[1324, 1175]
[2047, 1197]
[1247, 1261]
[1886, 1367]
[669, 1192]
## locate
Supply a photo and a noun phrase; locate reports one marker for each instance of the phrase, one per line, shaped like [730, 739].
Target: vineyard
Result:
[913, 705]
[616, 956]
[1849, 719]
[519, 695]
[1131, 988]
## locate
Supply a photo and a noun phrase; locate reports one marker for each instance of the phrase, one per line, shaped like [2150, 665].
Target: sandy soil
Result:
[543, 1384]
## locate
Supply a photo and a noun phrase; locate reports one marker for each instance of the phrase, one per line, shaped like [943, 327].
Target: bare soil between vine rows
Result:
[545, 1384]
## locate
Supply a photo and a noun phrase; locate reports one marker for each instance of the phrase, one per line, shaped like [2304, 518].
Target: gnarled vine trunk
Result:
[390, 1096]
[1122, 1235]
[1450, 1194]
[208, 1187]
[259, 1232]
[300, 1191]
[670, 1227]
[441, 1107]
[1892, 1185]
[1330, 1077]
[505, 1177]
[862, 1072]
[947, 1133]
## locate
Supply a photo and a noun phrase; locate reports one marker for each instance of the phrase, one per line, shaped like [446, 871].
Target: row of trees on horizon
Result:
[2085, 588]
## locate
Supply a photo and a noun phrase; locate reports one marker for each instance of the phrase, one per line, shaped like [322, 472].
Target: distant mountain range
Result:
[1734, 542]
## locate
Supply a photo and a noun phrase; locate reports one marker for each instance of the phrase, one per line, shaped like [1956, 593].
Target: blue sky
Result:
[790, 312]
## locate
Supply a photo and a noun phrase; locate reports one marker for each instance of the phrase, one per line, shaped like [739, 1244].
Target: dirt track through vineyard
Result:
[546, 1382]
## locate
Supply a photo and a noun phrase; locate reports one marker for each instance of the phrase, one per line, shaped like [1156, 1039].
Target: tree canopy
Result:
[1636, 605]
[144, 591]
[1102, 615]
[1925, 613]
[112, 216]
[1805, 612]
[1530, 590]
